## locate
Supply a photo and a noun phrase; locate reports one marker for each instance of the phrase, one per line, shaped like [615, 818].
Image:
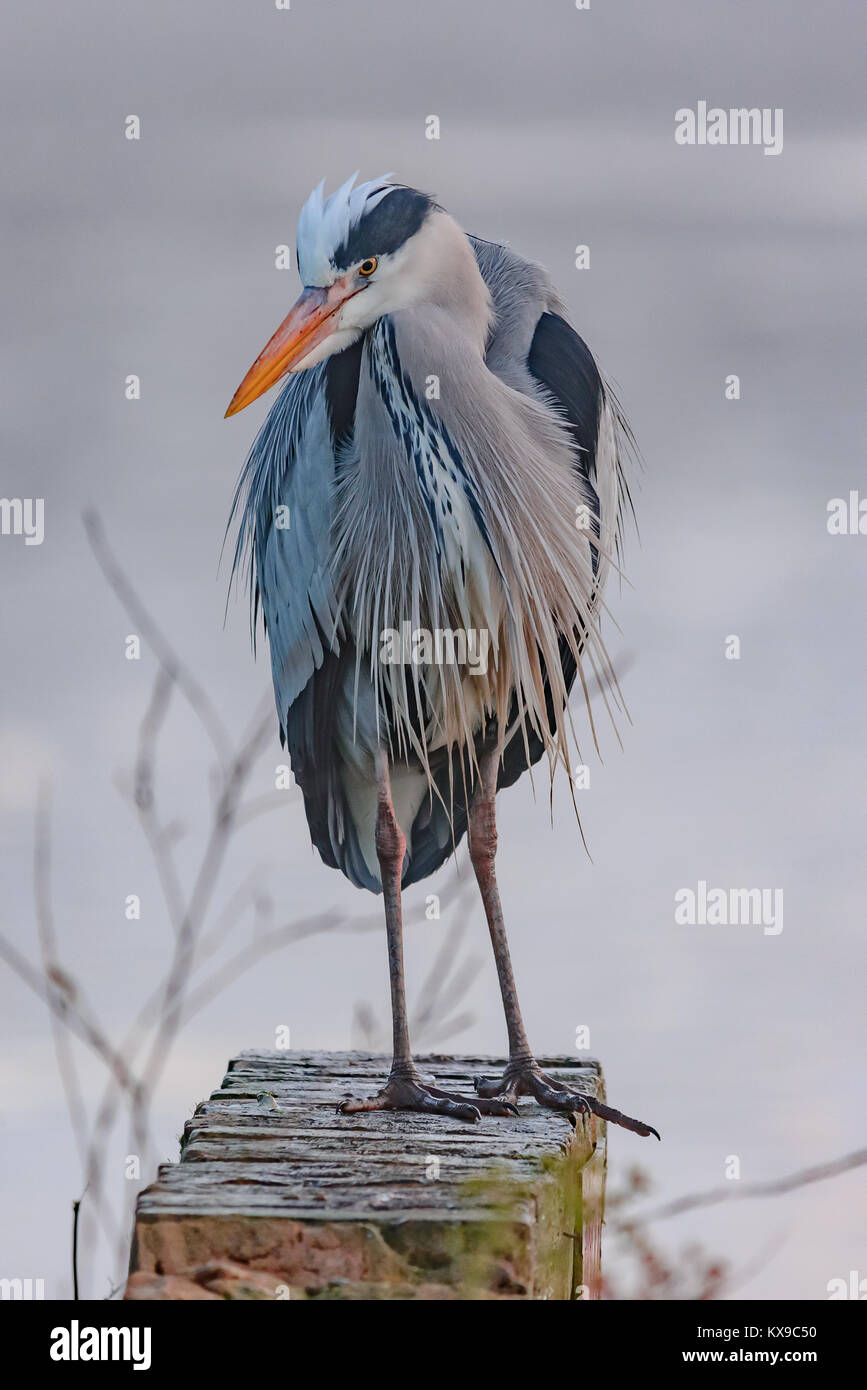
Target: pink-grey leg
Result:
[522, 1076]
[405, 1089]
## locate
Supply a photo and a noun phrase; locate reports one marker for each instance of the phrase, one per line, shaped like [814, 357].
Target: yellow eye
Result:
[367, 267]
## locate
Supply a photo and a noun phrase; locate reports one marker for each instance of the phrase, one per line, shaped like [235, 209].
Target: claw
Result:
[498, 1106]
[617, 1117]
[528, 1079]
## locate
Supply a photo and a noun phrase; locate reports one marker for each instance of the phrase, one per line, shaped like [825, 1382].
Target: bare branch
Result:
[775, 1187]
[263, 805]
[249, 955]
[51, 966]
[64, 997]
[168, 658]
[144, 796]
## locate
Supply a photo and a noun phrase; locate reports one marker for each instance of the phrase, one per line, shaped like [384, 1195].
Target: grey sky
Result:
[157, 258]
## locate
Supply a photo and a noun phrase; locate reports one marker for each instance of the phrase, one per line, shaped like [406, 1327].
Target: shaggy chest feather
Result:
[423, 545]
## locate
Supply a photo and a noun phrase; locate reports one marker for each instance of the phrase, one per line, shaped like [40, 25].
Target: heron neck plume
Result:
[457, 510]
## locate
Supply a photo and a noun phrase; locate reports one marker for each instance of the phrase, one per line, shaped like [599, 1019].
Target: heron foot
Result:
[409, 1092]
[526, 1078]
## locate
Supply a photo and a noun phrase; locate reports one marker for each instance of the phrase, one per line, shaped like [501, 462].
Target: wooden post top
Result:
[276, 1195]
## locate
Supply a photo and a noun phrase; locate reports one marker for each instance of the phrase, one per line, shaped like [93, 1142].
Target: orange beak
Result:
[309, 321]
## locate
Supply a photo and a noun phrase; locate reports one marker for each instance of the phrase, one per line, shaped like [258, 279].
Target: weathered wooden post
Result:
[296, 1202]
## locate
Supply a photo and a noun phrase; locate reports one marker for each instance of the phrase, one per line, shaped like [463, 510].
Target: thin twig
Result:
[194, 693]
[198, 903]
[76, 1207]
[266, 803]
[144, 795]
[51, 968]
[64, 997]
[776, 1187]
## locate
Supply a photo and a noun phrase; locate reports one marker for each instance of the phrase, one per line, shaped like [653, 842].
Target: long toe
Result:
[499, 1105]
[580, 1103]
[617, 1117]
[356, 1107]
[527, 1078]
[406, 1093]
[437, 1104]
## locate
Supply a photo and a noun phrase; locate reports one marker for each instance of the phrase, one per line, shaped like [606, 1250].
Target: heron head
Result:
[361, 254]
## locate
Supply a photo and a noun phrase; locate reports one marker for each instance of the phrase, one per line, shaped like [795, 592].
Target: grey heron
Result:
[444, 459]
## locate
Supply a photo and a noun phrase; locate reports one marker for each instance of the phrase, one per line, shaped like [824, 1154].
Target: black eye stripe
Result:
[385, 228]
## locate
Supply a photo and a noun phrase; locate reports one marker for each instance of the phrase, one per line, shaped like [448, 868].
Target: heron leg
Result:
[523, 1075]
[390, 851]
[405, 1089]
[482, 835]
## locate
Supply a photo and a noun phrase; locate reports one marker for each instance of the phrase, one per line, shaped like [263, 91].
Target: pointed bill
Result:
[311, 319]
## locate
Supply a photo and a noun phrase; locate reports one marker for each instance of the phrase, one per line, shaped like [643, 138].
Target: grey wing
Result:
[286, 498]
[533, 348]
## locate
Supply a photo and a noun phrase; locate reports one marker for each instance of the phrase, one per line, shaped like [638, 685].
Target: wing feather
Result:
[533, 348]
[294, 464]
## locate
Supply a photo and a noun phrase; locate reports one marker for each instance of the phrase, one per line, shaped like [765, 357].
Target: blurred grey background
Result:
[157, 258]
